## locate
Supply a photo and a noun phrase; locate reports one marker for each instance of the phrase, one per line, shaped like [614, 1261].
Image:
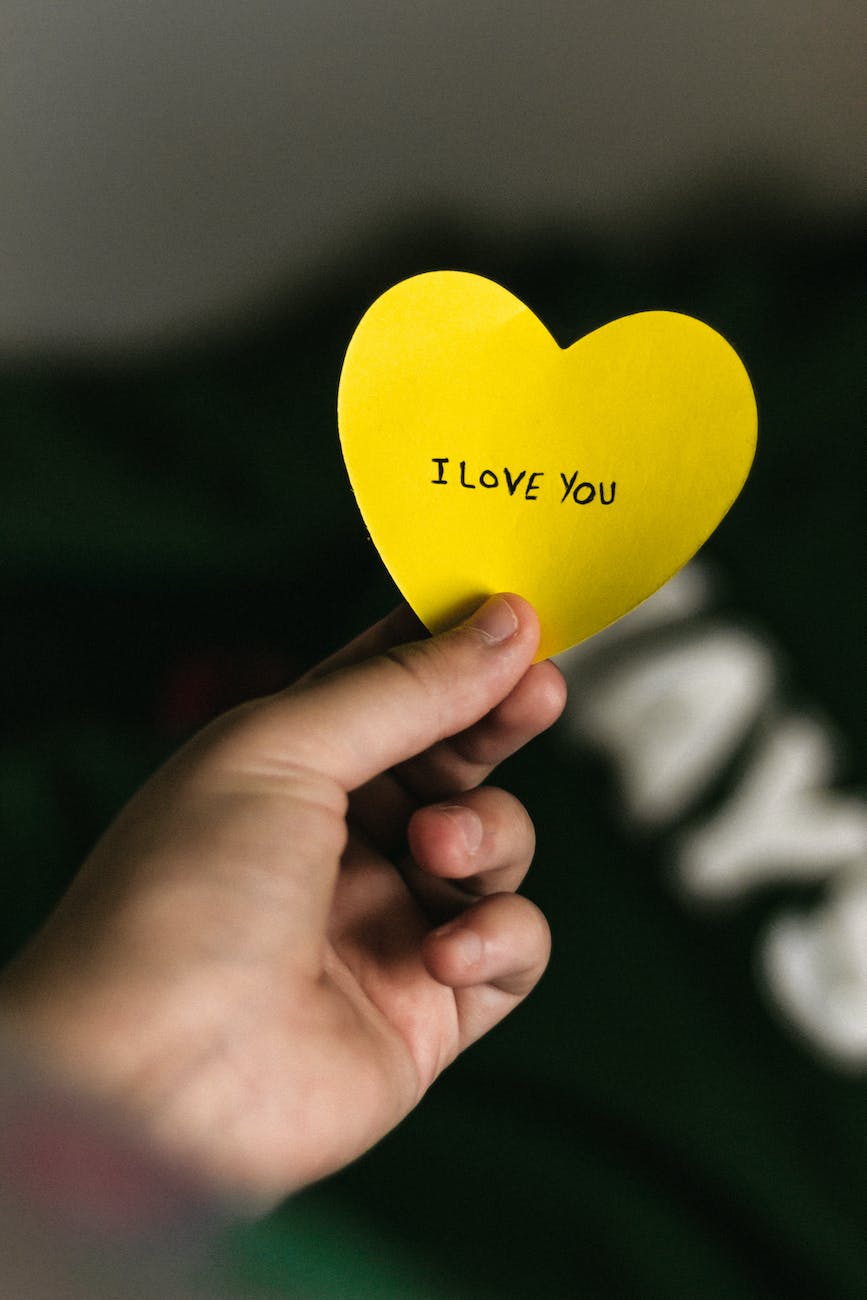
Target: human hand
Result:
[246, 966]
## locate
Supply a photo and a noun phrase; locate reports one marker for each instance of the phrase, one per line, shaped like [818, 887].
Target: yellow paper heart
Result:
[484, 457]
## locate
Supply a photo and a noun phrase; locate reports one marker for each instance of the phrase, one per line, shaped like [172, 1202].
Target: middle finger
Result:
[484, 841]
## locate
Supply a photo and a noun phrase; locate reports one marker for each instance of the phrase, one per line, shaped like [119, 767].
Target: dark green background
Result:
[177, 532]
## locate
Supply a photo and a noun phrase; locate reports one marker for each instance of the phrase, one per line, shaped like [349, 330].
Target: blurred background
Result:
[198, 202]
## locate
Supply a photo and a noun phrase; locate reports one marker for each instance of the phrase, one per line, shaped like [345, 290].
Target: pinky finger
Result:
[503, 942]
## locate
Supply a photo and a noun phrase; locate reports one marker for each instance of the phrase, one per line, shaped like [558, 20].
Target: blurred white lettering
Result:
[816, 968]
[781, 822]
[670, 715]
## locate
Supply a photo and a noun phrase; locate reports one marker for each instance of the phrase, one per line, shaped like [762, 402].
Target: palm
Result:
[385, 1028]
[264, 995]
[374, 958]
[361, 1040]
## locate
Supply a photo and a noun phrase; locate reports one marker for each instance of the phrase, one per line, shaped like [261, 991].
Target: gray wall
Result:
[166, 160]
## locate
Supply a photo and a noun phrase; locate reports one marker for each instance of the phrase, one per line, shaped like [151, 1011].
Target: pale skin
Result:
[252, 965]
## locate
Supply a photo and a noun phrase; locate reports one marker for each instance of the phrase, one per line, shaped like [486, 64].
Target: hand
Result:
[246, 965]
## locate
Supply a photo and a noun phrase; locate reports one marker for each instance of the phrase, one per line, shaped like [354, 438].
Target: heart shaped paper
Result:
[485, 457]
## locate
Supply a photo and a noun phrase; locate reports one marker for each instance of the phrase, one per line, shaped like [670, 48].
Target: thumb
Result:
[361, 720]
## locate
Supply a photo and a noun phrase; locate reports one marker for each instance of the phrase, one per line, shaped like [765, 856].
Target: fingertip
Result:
[504, 941]
[528, 619]
[443, 839]
[454, 954]
[531, 707]
[505, 617]
[537, 701]
[525, 612]
[552, 690]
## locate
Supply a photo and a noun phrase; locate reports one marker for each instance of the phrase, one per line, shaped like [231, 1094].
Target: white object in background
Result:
[669, 718]
[815, 966]
[781, 823]
[684, 595]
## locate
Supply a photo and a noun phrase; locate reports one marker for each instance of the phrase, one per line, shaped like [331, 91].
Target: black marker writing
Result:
[582, 492]
[531, 484]
[585, 492]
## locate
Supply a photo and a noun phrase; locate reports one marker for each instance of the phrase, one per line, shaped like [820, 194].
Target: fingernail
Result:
[465, 942]
[496, 620]
[470, 824]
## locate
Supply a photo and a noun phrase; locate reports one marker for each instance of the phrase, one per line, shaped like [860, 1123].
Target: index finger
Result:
[360, 720]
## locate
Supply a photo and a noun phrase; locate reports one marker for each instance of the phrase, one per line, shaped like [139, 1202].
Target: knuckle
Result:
[317, 824]
[425, 664]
